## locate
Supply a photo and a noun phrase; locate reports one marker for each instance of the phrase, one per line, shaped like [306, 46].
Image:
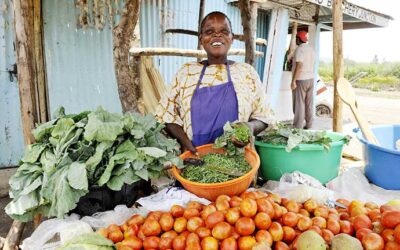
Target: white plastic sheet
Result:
[300, 187]
[167, 197]
[53, 233]
[353, 185]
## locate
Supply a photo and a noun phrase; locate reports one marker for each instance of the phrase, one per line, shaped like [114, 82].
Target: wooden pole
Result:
[181, 52]
[292, 46]
[338, 70]
[14, 236]
[259, 41]
[24, 43]
[42, 97]
[201, 15]
[128, 75]
[248, 12]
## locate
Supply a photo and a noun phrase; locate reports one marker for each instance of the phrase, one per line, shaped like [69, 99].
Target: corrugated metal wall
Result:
[262, 32]
[79, 62]
[183, 14]
[11, 138]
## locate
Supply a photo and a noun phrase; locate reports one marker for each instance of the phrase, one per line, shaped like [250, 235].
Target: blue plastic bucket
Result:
[383, 162]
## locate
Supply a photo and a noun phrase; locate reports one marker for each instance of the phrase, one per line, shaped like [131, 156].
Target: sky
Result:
[361, 45]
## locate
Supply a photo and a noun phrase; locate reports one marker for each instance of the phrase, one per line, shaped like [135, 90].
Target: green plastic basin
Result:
[311, 159]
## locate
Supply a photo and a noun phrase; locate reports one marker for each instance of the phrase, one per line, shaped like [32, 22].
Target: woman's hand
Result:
[177, 132]
[188, 146]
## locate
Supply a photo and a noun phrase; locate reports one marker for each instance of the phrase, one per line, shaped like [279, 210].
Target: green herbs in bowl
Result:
[217, 168]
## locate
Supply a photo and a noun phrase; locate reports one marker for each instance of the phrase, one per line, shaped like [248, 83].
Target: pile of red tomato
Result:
[257, 220]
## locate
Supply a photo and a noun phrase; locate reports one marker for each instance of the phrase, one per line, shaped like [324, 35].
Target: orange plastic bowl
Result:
[211, 191]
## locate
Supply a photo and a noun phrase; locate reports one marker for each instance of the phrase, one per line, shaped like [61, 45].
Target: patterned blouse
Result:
[175, 106]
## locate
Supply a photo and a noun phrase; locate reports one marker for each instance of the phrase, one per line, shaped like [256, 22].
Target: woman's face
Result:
[216, 36]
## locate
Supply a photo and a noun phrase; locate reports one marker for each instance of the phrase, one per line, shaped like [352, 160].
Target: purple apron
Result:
[211, 108]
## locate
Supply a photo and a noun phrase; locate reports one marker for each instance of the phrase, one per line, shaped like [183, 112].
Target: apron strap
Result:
[205, 62]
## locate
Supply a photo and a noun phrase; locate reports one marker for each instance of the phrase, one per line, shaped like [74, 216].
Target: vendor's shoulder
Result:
[186, 67]
[244, 66]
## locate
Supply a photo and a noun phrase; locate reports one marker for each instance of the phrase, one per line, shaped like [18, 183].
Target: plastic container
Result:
[211, 191]
[311, 159]
[383, 162]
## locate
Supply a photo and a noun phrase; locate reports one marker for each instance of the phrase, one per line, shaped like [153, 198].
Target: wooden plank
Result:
[181, 52]
[14, 235]
[23, 26]
[259, 41]
[42, 97]
[248, 13]
[338, 69]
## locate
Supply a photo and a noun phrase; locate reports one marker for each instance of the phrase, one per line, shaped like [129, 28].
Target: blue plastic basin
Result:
[383, 162]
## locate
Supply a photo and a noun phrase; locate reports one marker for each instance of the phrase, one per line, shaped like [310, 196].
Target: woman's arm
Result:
[256, 126]
[176, 131]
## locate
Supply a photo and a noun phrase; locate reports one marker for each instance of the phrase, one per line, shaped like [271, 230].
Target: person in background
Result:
[205, 95]
[303, 82]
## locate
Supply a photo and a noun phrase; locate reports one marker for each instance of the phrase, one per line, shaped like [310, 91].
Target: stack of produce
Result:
[256, 220]
[75, 152]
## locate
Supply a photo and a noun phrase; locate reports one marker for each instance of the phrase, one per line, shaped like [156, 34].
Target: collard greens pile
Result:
[292, 137]
[75, 152]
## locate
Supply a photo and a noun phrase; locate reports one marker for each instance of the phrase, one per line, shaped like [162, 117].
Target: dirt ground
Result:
[376, 107]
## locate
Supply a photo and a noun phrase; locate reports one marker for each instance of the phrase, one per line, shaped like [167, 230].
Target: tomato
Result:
[179, 243]
[166, 222]
[276, 231]
[165, 243]
[222, 230]
[209, 243]
[180, 224]
[214, 218]
[248, 207]
[170, 234]
[290, 219]
[246, 242]
[116, 236]
[203, 232]
[264, 236]
[228, 244]
[194, 223]
[151, 242]
[245, 226]
[177, 211]
[151, 228]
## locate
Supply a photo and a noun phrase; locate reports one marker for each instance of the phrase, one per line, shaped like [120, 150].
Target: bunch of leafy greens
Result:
[292, 137]
[75, 152]
[240, 132]
[217, 168]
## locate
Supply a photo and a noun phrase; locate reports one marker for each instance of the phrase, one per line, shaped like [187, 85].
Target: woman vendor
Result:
[205, 95]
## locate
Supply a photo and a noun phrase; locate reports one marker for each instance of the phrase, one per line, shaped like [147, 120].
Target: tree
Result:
[127, 74]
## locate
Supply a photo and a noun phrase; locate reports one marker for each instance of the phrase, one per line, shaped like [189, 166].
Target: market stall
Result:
[79, 164]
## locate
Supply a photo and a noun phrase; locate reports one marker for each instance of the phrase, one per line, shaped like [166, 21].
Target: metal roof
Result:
[320, 11]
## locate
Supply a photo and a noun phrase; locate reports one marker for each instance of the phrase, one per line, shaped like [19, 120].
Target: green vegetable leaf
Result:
[103, 126]
[95, 159]
[77, 176]
[33, 152]
[61, 129]
[63, 197]
[153, 152]
[88, 241]
[142, 173]
[43, 130]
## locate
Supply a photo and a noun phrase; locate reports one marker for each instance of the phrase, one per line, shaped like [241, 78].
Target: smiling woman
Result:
[206, 95]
